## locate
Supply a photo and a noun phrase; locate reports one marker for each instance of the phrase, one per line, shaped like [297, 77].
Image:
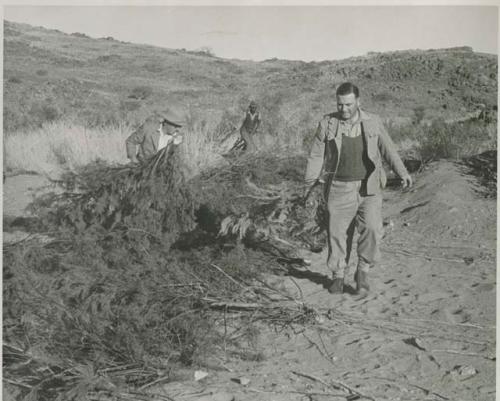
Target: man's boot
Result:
[337, 287]
[361, 278]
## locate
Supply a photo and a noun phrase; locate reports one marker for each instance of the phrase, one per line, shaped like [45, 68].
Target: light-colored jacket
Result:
[324, 156]
[146, 136]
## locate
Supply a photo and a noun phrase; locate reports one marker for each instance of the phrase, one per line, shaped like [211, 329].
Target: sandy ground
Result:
[426, 330]
[18, 192]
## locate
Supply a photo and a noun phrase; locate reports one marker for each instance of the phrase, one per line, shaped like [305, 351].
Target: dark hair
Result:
[347, 88]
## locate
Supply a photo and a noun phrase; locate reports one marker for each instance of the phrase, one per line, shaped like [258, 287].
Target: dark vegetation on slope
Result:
[50, 75]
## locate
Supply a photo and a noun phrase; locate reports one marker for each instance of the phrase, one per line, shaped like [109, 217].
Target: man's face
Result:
[252, 109]
[348, 106]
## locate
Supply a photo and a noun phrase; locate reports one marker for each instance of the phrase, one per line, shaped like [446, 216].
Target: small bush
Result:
[108, 57]
[141, 92]
[13, 119]
[128, 105]
[11, 32]
[14, 80]
[154, 66]
[454, 141]
[418, 114]
[80, 35]
[204, 51]
[43, 112]
[383, 97]
[441, 140]
[41, 73]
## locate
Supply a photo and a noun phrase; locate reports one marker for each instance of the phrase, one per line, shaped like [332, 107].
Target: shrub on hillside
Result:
[42, 73]
[13, 119]
[141, 92]
[441, 140]
[11, 32]
[43, 112]
[418, 114]
[14, 80]
[204, 51]
[154, 66]
[383, 97]
[108, 57]
[80, 35]
[101, 118]
[129, 105]
[454, 141]
[270, 105]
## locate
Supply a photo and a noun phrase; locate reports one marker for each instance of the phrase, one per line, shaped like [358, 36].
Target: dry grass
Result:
[200, 147]
[63, 145]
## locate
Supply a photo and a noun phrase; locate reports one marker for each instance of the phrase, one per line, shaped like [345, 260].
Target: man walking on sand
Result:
[155, 133]
[346, 159]
[249, 126]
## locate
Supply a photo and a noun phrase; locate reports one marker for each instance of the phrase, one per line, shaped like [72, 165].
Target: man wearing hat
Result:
[249, 126]
[157, 132]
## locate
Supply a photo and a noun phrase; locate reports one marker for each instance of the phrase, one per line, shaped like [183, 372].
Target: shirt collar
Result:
[362, 116]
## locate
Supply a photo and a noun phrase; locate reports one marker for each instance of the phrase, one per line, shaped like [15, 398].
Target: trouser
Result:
[349, 209]
[250, 139]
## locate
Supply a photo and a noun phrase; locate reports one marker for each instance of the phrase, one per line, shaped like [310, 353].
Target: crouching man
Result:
[346, 158]
[155, 133]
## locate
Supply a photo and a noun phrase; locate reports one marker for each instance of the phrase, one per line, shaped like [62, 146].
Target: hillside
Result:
[49, 75]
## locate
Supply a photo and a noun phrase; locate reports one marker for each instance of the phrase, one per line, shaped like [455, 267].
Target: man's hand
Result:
[177, 139]
[407, 181]
[308, 196]
[133, 160]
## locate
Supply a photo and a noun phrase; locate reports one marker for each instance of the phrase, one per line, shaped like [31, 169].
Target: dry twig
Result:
[335, 384]
[306, 393]
[424, 389]
[418, 255]
[452, 351]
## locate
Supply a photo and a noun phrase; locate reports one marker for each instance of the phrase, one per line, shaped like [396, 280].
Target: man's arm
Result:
[242, 124]
[390, 154]
[136, 138]
[257, 123]
[315, 159]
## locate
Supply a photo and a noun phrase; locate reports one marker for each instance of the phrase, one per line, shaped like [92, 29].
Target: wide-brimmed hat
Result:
[172, 115]
[253, 103]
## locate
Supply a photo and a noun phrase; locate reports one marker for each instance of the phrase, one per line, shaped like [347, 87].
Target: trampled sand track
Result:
[426, 331]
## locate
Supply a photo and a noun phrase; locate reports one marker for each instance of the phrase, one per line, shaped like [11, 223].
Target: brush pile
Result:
[259, 198]
[140, 263]
[484, 166]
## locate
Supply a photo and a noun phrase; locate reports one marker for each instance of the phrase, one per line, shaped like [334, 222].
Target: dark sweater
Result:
[353, 162]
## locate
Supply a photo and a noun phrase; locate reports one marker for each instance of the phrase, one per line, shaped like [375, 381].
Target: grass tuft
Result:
[63, 145]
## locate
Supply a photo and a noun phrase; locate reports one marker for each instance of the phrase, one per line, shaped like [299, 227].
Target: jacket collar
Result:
[156, 138]
[334, 119]
[363, 115]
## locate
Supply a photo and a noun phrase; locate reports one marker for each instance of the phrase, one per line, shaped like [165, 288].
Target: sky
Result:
[309, 33]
